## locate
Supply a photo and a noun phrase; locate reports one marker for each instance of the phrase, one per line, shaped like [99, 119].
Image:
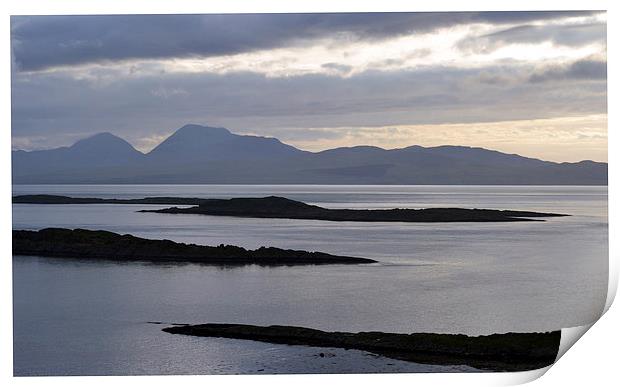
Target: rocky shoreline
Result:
[498, 352]
[105, 245]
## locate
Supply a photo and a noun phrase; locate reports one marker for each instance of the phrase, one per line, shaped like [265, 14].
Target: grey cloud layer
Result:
[40, 42]
[583, 69]
[571, 35]
[137, 107]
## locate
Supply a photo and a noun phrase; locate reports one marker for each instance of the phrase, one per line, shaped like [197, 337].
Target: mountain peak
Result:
[192, 138]
[104, 140]
[200, 130]
[103, 136]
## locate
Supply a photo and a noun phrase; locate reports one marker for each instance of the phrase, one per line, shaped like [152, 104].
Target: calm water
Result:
[90, 318]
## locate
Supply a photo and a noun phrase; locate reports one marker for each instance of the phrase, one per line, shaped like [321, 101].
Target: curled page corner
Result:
[518, 378]
[570, 337]
[612, 286]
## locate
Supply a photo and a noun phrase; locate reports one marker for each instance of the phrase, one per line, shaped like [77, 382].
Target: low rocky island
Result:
[278, 207]
[105, 245]
[283, 208]
[497, 352]
[59, 199]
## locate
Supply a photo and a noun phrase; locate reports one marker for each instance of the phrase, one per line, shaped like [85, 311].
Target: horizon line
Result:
[299, 148]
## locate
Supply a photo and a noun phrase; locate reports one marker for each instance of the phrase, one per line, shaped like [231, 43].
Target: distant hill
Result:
[101, 152]
[197, 154]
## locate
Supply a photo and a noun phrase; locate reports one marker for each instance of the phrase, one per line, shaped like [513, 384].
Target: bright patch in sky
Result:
[550, 139]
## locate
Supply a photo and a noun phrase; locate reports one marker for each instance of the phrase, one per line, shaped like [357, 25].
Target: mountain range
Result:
[197, 154]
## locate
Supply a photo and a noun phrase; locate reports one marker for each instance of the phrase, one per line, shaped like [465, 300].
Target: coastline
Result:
[106, 245]
[283, 208]
[507, 352]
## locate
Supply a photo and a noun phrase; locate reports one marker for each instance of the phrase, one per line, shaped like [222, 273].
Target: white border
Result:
[59, 7]
[577, 366]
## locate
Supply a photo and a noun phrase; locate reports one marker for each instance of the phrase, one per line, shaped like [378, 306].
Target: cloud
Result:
[165, 93]
[579, 70]
[40, 42]
[56, 104]
[569, 35]
[337, 67]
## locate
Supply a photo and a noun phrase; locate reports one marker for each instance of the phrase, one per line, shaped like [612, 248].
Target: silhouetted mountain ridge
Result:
[203, 143]
[196, 154]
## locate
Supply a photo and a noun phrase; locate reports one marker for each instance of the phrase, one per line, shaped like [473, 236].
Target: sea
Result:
[79, 317]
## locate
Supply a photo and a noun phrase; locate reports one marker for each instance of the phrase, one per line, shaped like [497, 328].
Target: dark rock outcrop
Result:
[87, 244]
[497, 352]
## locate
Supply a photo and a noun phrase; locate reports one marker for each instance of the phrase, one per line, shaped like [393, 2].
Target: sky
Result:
[532, 83]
